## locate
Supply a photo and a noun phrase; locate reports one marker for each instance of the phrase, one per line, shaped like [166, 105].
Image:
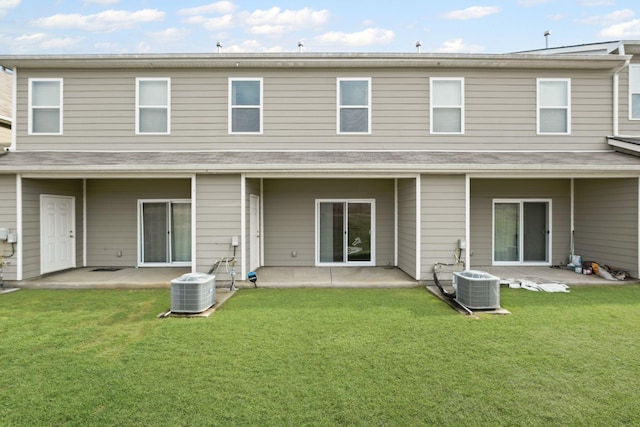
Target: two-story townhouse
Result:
[319, 160]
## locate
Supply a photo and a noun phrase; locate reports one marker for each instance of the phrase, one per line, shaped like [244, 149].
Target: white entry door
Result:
[254, 232]
[57, 233]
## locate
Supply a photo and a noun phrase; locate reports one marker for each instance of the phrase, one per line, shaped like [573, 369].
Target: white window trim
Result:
[568, 106]
[631, 92]
[60, 106]
[167, 107]
[339, 106]
[231, 106]
[432, 106]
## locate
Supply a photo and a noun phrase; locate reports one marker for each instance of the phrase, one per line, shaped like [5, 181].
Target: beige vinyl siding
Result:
[218, 219]
[112, 216]
[407, 233]
[300, 110]
[606, 222]
[290, 211]
[442, 219]
[8, 214]
[31, 191]
[483, 191]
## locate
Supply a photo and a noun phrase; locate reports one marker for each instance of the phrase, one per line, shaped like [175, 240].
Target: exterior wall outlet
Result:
[235, 241]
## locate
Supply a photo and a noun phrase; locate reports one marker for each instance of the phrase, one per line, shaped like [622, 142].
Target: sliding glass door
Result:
[344, 232]
[165, 232]
[521, 232]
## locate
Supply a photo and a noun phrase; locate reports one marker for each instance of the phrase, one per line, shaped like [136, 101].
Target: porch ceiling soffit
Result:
[319, 162]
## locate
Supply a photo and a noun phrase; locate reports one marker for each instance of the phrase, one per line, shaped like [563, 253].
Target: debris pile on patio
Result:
[533, 286]
[591, 267]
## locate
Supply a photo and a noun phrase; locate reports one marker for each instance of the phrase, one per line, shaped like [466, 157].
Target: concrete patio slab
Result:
[333, 277]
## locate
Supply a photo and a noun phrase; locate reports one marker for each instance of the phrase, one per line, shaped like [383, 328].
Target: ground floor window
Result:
[165, 232]
[521, 232]
[345, 232]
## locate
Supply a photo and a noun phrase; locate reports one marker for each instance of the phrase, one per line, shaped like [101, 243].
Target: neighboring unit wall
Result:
[483, 191]
[625, 126]
[32, 189]
[290, 212]
[407, 201]
[606, 222]
[300, 110]
[218, 219]
[8, 220]
[112, 216]
[443, 219]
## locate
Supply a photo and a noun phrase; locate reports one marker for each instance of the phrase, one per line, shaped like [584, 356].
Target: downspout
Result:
[418, 227]
[616, 91]
[19, 226]
[467, 221]
[14, 100]
[395, 222]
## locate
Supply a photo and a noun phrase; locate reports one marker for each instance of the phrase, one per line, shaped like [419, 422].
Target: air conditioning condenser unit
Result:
[193, 293]
[477, 289]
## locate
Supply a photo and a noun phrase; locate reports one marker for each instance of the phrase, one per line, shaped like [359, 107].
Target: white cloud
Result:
[6, 5]
[221, 7]
[531, 3]
[169, 35]
[212, 24]
[595, 3]
[294, 19]
[622, 30]
[458, 46]
[107, 21]
[609, 19]
[367, 37]
[252, 46]
[269, 30]
[102, 2]
[143, 47]
[58, 44]
[473, 12]
[43, 41]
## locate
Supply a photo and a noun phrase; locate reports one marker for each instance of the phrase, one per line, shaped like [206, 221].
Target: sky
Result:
[197, 26]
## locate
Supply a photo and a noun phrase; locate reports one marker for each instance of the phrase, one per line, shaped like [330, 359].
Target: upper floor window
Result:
[447, 104]
[554, 106]
[354, 105]
[634, 92]
[45, 106]
[245, 105]
[153, 105]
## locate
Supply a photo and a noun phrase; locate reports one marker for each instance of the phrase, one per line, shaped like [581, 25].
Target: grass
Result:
[320, 357]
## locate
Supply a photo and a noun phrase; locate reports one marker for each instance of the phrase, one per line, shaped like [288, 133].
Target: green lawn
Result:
[320, 357]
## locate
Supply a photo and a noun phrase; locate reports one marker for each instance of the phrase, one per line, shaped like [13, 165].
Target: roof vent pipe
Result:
[219, 46]
[546, 39]
[419, 46]
[300, 46]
